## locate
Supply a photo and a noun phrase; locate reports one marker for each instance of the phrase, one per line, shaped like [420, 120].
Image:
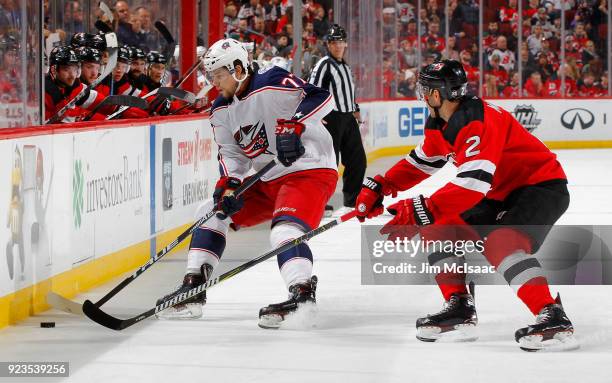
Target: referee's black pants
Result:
[348, 147]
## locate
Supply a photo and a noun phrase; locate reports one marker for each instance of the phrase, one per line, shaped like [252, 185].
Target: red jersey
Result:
[553, 87]
[57, 97]
[500, 74]
[493, 153]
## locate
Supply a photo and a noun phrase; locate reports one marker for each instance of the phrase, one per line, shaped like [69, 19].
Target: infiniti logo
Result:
[577, 116]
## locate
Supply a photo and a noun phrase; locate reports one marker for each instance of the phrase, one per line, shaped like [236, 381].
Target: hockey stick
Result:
[180, 82]
[94, 313]
[111, 44]
[106, 11]
[119, 99]
[170, 93]
[67, 305]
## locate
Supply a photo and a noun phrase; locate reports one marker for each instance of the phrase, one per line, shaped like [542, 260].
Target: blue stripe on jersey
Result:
[207, 239]
[300, 251]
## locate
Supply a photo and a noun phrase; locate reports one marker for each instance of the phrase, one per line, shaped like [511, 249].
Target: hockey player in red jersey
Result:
[506, 179]
[259, 116]
[62, 84]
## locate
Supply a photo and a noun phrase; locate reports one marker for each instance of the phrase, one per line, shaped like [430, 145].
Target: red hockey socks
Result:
[508, 250]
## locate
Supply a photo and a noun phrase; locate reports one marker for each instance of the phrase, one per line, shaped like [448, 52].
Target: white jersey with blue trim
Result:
[244, 128]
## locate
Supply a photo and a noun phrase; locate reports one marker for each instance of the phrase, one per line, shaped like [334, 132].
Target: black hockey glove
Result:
[288, 141]
[225, 202]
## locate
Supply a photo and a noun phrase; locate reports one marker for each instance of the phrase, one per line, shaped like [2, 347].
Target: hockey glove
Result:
[288, 141]
[225, 201]
[369, 200]
[409, 214]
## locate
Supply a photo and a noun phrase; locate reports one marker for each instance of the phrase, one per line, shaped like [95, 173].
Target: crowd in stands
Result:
[269, 24]
[521, 56]
[543, 73]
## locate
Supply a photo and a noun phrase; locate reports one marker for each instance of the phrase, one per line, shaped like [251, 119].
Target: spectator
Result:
[230, 18]
[388, 23]
[408, 55]
[125, 33]
[588, 87]
[497, 71]
[527, 62]
[320, 23]
[543, 67]
[603, 85]
[572, 50]
[490, 41]
[534, 41]
[490, 86]
[508, 14]
[595, 67]
[406, 87]
[451, 51]
[542, 18]
[580, 35]
[149, 38]
[512, 90]
[534, 87]
[251, 10]
[472, 72]
[589, 52]
[552, 57]
[432, 34]
[73, 16]
[506, 56]
[554, 85]
[531, 10]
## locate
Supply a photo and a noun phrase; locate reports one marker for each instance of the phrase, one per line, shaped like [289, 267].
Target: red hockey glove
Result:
[288, 142]
[225, 202]
[369, 200]
[408, 213]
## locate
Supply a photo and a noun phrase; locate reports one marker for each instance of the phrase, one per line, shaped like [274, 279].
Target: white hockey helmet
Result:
[280, 62]
[223, 54]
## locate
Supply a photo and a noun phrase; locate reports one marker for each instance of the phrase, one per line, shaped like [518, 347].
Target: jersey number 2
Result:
[472, 151]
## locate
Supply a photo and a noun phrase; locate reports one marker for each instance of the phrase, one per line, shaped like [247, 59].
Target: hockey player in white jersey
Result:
[259, 116]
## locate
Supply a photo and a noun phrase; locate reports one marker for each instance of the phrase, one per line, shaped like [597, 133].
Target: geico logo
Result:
[412, 121]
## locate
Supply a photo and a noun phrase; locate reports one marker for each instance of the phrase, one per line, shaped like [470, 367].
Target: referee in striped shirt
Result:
[332, 73]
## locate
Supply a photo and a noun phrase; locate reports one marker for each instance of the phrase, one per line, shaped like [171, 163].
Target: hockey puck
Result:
[47, 324]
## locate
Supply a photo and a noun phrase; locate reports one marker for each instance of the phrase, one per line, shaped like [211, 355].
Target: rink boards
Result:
[85, 204]
[393, 127]
[82, 204]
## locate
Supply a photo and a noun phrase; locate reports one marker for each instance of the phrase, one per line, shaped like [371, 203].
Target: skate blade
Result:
[561, 341]
[304, 318]
[188, 311]
[459, 333]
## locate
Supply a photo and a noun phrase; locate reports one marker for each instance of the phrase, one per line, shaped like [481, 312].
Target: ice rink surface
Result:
[362, 333]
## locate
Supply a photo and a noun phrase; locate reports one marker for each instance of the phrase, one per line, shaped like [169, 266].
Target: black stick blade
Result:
[95, 314]
[163, 30]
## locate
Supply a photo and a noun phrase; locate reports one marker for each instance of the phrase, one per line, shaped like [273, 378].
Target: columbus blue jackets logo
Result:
[225, 45]
[253, 139]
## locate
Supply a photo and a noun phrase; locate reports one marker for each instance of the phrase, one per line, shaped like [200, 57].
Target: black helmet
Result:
[63, 55]
[335, 33]
[138, 54]
[124, 54]
[87, 54]
[90, 40]
[447, 76]
[154, 57]
[9, 43]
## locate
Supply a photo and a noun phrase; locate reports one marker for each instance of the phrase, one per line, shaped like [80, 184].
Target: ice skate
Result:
[456, 322]
[191, 308]
[301, 297]
[553, 331]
